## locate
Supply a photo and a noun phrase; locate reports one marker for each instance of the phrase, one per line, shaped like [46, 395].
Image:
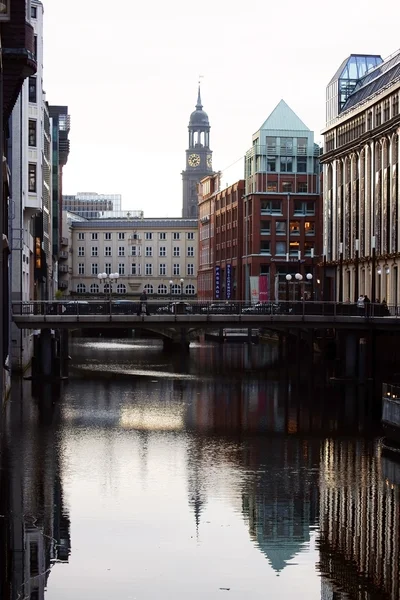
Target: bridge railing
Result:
[196, 307]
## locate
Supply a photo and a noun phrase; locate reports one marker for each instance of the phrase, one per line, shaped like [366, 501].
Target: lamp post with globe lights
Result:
[299, 279]
[108, 278]
[182, 282]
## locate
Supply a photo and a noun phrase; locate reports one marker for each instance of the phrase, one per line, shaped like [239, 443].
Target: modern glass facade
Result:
[345, 80]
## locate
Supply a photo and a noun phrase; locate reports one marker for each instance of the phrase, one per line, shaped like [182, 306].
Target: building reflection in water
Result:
[281, 504]
[359, 520]
[36, 527]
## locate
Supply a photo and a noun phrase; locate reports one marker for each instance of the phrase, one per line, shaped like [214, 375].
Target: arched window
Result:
[162, 289]
[107, 289]
[81, 288]
[148, 288]
[121, 288]
[94, 288]
[175, 289]
[190, 290]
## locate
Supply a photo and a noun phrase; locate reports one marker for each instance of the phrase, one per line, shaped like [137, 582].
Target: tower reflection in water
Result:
[35, 523]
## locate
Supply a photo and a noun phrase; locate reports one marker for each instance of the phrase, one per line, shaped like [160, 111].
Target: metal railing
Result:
[175, 305]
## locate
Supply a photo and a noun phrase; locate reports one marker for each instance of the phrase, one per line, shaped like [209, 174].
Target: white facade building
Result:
[30, 218]
[159, 256]
[361, 179]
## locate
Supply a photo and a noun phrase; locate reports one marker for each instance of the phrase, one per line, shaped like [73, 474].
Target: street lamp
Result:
[312, 274]
[373, 281]
[288, 280]
[108, 278]
[182, 281]
[299, 279]
[356, 285]
[341, 272]
[171, 283]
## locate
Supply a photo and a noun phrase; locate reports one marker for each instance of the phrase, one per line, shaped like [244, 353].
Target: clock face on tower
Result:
[209, 160]
[194, 160]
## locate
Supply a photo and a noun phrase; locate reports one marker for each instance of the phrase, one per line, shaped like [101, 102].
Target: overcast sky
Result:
[128, 71]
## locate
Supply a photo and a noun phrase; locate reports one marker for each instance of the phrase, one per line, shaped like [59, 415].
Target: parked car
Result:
[178, 308]
[220, 308]
[77, 307]
[263, 308]
[124, 307]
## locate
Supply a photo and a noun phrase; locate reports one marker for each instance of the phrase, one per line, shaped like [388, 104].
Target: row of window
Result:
[287, 187]
[295, 228]
[148, 235]
[136, 269]
[281, 249]
[300, 207]
[162, 289]
[283, 164]
[137, 251]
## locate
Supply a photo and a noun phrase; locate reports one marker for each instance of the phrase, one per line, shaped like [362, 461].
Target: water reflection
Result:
[184, 477]
[35, 522]
[359, 525]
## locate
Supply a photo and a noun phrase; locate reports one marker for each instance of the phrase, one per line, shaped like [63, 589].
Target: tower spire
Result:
[199, 105]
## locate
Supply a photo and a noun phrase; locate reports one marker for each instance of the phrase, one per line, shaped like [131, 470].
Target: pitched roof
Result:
[285, 119]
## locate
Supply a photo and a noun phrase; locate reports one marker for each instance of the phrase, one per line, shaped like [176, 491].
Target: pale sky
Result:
[128, 71]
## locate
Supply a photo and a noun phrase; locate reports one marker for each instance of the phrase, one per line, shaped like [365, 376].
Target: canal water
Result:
[211, 474]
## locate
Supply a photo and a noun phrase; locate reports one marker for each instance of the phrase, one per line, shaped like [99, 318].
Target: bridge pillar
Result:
[45, 363]
[64, 352]
[46, 353]
[351, 348]
[179, 342]
[362, 359]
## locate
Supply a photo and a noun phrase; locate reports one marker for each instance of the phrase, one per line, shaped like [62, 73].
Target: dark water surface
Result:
[206, 475]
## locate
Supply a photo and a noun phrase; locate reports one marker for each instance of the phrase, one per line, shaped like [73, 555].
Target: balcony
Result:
[63, 268]
[18, 54]
[63, 255]
[63, 285]
[64, 241]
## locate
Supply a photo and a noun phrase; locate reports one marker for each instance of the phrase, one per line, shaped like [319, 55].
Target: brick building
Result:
[282, 221]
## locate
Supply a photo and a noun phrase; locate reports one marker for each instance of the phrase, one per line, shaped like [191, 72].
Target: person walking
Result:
[143, 308]
[367, 305]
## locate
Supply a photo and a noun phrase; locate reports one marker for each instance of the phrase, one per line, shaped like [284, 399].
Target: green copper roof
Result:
[283, 118]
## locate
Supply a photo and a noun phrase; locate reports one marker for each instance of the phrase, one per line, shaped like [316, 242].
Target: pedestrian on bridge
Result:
[143, 308]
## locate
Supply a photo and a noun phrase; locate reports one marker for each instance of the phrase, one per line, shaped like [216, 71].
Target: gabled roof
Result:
[285, 119]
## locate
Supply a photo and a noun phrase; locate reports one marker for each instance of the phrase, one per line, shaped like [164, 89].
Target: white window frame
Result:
[108, 251]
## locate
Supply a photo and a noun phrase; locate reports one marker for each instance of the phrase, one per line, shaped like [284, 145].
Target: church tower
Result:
[198, 159]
